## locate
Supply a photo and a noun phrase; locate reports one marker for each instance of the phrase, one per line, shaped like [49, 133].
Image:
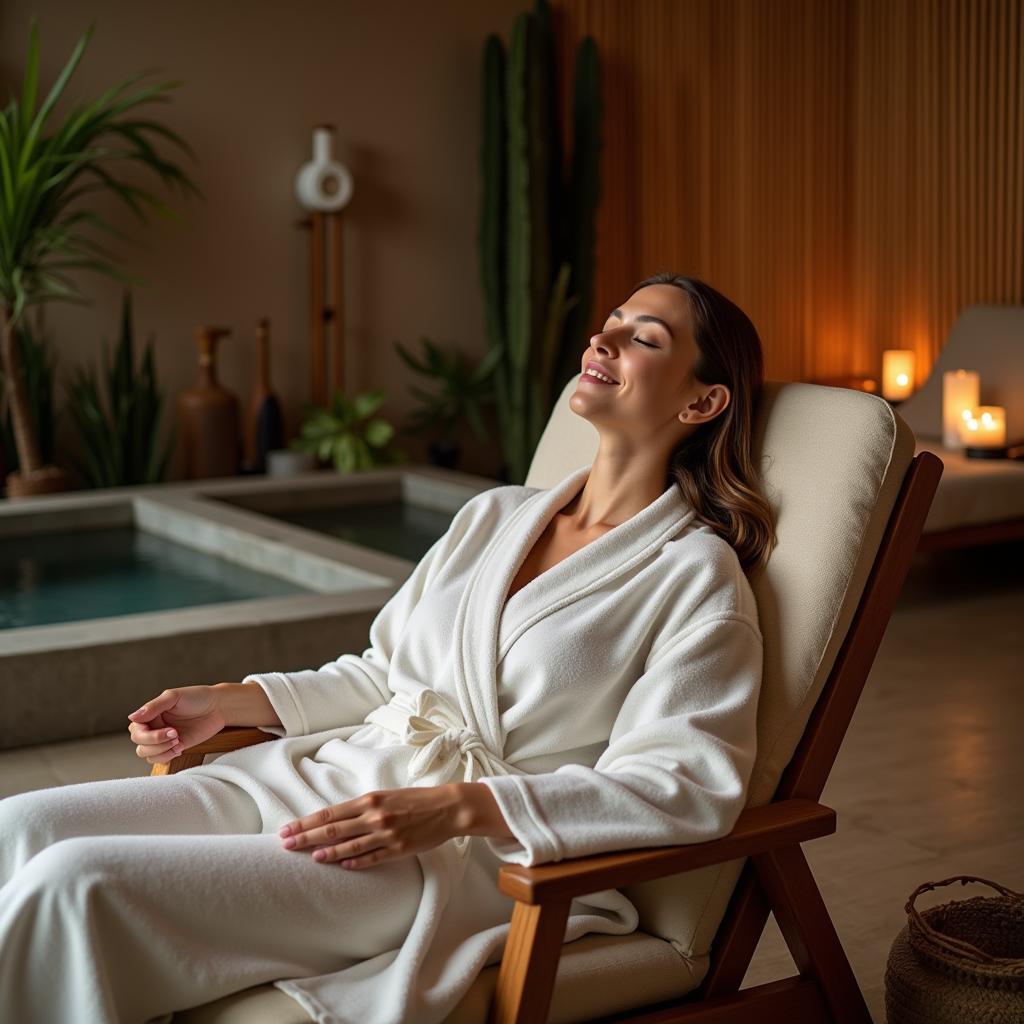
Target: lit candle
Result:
[960, 390]
[897, 373]
[984, 427]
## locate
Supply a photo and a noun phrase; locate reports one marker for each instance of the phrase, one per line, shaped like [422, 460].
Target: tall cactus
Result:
[493, 210]
[536, 253]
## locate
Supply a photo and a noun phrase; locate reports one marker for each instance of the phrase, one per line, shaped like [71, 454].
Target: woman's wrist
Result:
[477, 812]
[245, 704]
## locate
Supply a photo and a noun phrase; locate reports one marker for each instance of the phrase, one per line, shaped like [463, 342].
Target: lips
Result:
[593, 365]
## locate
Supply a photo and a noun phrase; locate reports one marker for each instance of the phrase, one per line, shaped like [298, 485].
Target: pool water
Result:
[394, 527]
[95, 574]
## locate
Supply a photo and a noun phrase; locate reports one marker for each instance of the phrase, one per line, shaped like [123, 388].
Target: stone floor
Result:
[927, 783]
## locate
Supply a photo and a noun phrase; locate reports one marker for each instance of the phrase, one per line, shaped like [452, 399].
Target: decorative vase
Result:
[264, 430]
[208, 416]
[323, 184]
[286, 462]
[47, 480]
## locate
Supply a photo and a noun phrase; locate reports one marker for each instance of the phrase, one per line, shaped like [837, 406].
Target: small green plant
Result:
[462, 390]
[343, 434]
[120, 439]
[38, 367]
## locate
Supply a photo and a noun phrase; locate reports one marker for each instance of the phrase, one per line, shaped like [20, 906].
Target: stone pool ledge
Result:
[78, 679]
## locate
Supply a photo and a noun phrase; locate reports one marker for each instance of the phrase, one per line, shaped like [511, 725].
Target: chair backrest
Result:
[990, 340]
[831, 462]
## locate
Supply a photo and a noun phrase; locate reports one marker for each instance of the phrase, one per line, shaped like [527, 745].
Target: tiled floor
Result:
[927, 784]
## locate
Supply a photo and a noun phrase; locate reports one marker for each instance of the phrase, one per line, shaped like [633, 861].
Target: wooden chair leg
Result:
[528, 968]
[807, 928]
[738, 937]
[178, 764]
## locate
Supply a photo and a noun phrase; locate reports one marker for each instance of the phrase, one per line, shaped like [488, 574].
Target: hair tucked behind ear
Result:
[714, 466]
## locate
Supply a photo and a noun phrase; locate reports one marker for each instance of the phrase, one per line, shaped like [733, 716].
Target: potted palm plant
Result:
[41, 177]
[462, 391]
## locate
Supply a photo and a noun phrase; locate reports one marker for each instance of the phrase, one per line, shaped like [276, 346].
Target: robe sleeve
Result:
[344, 691]
[678, 762]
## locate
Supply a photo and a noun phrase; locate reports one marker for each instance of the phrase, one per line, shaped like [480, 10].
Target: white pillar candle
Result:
[985, 427]
[960, 390]
[897, 373]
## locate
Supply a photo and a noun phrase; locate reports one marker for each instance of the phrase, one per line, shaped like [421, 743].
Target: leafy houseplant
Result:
[343, 434]
[462, 392]
[40, 178]
[536, 229]
[39, 364]
[120, 438]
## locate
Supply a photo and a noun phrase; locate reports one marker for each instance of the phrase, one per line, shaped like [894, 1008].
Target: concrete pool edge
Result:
[70, 680]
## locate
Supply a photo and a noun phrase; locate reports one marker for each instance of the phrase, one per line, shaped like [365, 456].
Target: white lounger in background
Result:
[979, 501]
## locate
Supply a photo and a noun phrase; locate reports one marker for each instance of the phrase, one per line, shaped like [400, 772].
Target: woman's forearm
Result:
[478, 812]
[245, 704]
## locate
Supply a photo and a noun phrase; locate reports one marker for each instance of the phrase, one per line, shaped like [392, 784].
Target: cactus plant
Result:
[536, 233]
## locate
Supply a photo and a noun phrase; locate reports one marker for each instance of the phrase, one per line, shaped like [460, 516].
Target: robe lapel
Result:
[484, 617]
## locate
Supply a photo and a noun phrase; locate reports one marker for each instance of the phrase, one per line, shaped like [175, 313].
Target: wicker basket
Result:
[960, 962]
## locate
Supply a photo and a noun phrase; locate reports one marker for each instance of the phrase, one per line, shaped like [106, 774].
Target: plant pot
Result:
[47, 480]
[443, 453]
[284, 462]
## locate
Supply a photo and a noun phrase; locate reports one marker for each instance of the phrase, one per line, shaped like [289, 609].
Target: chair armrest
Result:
[757, 829]
[231, 737]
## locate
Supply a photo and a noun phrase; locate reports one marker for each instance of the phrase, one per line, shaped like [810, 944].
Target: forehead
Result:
[667, 301]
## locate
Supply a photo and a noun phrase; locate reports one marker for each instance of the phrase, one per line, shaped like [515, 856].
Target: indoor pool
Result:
[395, 527]
[119, 571]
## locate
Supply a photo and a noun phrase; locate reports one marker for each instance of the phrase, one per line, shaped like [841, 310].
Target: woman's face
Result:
[647, 347]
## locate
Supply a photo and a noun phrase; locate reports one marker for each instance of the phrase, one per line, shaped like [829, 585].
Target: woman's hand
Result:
[175, 720]
[382, 825]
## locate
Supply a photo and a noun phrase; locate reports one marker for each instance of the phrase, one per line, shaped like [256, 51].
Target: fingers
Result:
[326, 815]
[354, 832]
[147, 736]
[163, 702]
[159, 753]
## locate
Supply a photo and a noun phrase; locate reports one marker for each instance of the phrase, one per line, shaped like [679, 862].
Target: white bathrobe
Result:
[609, 704]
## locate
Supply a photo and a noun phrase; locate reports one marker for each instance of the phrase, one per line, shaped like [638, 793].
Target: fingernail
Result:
[284, 831]
[289, 843]
[320, 855]
[172, 734]
[136, 711]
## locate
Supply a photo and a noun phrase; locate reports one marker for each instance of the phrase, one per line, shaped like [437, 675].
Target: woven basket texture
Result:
[960, 962]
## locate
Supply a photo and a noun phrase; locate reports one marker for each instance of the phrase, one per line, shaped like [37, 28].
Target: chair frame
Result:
[775, 878]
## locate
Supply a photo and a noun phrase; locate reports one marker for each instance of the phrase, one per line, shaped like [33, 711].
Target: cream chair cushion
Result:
[597, 975]
[832, 461]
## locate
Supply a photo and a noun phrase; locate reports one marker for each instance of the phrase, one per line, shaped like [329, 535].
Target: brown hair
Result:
[714, 466]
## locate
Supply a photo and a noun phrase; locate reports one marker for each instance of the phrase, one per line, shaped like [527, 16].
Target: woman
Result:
[566, 671]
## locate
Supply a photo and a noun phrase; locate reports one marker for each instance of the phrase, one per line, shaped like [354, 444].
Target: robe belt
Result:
[435, 726]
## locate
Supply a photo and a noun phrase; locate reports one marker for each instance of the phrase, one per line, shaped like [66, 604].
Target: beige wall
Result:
[399, 79]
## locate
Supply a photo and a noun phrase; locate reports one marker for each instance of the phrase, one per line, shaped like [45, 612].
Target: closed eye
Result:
[647, 343]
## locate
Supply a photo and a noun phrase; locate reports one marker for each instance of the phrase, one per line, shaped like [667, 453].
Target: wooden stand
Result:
[325, 306]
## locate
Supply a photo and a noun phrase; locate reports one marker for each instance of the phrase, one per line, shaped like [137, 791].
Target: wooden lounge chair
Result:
[850, 500]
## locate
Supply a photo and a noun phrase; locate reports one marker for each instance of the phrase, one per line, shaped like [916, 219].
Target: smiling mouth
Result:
[587, 375]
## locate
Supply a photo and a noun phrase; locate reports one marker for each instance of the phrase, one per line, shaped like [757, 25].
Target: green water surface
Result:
[394, 527]
[119, 571]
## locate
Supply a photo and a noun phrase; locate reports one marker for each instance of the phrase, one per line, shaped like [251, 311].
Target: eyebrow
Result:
[646, 317]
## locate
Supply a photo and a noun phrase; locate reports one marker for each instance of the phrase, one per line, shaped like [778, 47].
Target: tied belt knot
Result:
[445, 744]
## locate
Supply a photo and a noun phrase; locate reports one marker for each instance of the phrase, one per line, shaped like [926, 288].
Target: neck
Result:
[615, 491]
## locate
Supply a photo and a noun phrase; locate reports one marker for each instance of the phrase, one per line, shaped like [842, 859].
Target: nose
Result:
[600, 340]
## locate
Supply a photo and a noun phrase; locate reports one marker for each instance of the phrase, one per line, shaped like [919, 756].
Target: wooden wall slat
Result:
[851, 173]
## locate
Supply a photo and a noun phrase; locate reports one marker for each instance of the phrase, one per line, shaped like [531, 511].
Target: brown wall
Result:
[399, 79]
[850, 173]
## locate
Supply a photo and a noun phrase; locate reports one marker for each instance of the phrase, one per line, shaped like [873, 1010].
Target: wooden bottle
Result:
[264, 428]
[208, 416]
